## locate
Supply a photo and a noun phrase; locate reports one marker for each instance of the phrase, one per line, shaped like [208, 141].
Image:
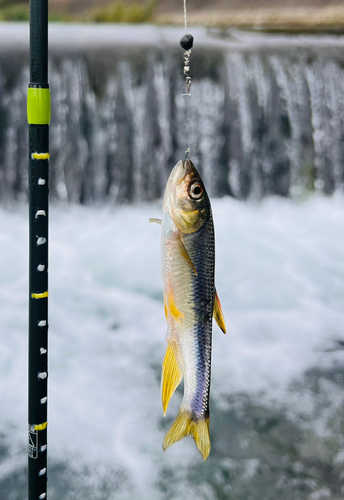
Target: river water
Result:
[277, 376]
[266, 113]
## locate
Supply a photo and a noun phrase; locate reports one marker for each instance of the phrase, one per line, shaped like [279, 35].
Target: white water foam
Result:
[279, 274]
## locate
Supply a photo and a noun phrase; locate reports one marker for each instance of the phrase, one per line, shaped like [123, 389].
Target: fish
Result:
[190, 302]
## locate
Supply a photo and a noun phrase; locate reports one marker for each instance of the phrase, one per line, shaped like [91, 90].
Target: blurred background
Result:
[266, 129]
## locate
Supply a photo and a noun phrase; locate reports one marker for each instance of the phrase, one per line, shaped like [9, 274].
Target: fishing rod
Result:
[38, 114]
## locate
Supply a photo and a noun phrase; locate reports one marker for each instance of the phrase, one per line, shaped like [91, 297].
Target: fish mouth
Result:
[185, 168]
[184, 172]
[179, 174]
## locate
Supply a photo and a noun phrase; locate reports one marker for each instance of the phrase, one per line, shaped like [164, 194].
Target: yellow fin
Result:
[165, 305]
[156, 221]
[170, 378]
[184, 253]
[172, 308]
[183, 426]
[218, 314]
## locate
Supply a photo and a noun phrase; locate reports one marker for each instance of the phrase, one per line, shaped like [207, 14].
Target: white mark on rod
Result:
[40, 267]
[40, 212]
[44, 400]
[42, 472]
[41, 181]
[42, 322]
[42, 350]
[42, 375]
[41, 241]
[43, 447]
[42, 496]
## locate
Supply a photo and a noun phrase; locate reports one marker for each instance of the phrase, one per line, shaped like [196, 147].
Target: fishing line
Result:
[186, 43]
[185, 23]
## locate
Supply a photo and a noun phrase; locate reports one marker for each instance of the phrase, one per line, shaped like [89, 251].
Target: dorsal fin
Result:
[218, 314]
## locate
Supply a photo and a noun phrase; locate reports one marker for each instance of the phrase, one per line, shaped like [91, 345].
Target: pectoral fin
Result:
[170, 378]
[156, 221]
[184, 253]
[218, 314]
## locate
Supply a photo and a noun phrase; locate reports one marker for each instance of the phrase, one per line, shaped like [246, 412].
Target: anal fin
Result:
[170, 378]
[218, 314]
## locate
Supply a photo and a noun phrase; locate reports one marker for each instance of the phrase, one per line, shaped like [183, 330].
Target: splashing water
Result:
[266, 114]
[277, 376]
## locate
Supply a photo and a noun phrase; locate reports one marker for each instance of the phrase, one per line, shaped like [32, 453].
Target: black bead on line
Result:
[187, 42]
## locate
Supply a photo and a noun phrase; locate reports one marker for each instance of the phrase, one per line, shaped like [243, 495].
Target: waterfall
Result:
[264, 119]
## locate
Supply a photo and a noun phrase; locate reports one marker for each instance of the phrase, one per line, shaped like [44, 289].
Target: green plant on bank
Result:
[57, 17]
[17, 11]
[14, 13]
[119, 12]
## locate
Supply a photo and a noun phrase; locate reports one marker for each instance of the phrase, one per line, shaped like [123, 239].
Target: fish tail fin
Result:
[185, 425]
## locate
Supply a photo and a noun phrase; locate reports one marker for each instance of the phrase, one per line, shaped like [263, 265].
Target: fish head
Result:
[186, 199]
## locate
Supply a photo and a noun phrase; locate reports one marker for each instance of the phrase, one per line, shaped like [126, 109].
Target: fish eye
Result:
[196, 190]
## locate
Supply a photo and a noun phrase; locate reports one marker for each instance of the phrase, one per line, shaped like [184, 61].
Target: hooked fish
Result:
[191, 301]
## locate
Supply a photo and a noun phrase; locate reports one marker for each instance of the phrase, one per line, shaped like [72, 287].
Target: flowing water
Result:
[277, 376]
[266, 113]
[266, 120]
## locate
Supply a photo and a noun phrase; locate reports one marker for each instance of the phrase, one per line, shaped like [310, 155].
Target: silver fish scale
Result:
[201, 248]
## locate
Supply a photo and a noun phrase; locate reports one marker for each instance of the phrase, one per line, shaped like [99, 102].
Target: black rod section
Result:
[38, 107]
[39, 41]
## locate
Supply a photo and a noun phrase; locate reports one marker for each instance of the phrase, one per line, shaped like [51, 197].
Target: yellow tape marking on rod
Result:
[40, 156]
[39, 295]
[41, 427]
[38, 106]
